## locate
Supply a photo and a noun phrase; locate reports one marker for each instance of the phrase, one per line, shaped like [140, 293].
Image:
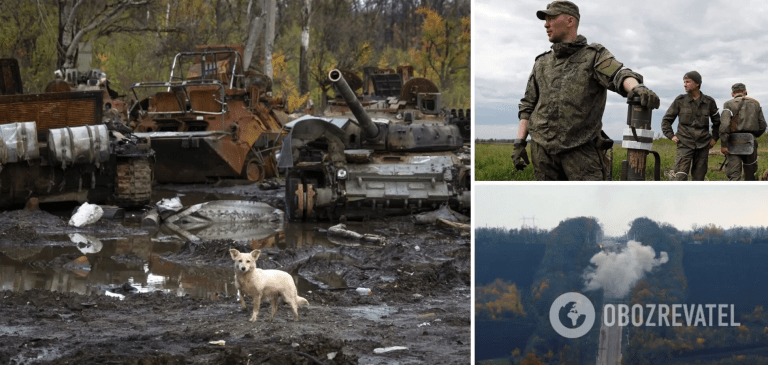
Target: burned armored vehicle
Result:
[390, 156]
[67, 145]
[209, 120]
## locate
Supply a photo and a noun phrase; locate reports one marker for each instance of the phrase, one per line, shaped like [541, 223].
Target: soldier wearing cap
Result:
[693, 137]
[565, 98]
[741, 114]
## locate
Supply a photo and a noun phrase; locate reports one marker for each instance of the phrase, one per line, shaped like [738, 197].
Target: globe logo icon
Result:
[572, 315]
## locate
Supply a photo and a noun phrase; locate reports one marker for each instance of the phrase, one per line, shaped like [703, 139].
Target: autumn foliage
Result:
[498, 300]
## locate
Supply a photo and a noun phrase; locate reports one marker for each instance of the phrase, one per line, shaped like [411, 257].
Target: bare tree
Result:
[254, 33]
[303, 61]
[269, 36]
[74, 24]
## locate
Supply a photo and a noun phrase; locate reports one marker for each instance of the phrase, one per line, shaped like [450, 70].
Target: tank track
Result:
[133, 183]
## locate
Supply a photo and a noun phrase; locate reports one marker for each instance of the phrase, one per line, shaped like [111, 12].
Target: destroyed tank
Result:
[69, 144]
[209, 120]
[395, 154]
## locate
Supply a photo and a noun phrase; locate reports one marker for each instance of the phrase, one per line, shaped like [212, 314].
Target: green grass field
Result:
[493, 161]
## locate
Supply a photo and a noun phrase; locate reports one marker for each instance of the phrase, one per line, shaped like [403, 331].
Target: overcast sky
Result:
[726, 41]
[615, 206]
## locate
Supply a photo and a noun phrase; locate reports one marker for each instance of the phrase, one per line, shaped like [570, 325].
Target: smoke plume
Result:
[617, 272]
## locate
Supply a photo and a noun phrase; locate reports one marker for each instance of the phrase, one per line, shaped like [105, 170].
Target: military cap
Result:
[693, 75]
[559, 7]
[738, 87]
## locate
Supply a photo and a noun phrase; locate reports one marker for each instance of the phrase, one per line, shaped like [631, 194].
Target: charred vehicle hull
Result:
[55, 147]
[365, 167]
[211, 122]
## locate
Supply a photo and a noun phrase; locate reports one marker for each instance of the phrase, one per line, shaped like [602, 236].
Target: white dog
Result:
[269, 284]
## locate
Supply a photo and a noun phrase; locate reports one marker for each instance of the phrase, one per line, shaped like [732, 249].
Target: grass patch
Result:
[493, 161]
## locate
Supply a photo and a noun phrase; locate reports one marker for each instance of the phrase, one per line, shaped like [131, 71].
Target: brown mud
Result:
[419, 299]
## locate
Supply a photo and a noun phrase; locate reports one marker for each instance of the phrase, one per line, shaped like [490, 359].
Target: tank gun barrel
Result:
[370, 129]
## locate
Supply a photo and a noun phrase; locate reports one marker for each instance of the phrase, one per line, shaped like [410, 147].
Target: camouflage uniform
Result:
[693, 133]
[751, 120]
[564, 103]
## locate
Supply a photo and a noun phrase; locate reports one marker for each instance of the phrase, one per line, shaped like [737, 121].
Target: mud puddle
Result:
[113, 264]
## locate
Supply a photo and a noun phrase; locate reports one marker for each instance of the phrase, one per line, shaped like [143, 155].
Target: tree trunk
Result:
[254, 32]
[67, 20]
[269, 36]
[303, 60]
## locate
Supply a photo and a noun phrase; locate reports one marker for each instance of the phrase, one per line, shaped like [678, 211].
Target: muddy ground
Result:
[420, 299]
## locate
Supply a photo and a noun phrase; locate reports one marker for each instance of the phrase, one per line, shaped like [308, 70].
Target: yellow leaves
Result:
[365, 53]
[104, 59]
[293, 99]
[383, 62]
[531, 359]
[537, 291]
[433, 23]
[496, 300]
[743, 332]
[700, 341]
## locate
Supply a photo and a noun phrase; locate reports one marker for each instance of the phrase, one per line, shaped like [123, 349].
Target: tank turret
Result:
[371, 130]
[379, 155]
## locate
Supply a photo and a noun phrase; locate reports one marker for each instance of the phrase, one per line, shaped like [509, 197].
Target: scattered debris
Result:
[363, 291]
[169, 207]
[382, 350]
[86, 244]
[444, 213]
[460, 226]
[340, 230]
[218, 343]
[85, 215]
[222, 211]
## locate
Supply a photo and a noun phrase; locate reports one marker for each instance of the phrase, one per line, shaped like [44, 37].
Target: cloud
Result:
[617, 272]
[662, 40]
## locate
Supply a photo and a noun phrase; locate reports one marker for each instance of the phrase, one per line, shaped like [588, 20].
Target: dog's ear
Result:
[255, 254]
[234, 253]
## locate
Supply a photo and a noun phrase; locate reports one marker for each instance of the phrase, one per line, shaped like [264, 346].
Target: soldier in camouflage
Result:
[565, 98]
[693, 137]
[741, 114]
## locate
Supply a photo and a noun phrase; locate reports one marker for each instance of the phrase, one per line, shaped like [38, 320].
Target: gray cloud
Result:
[725, 41]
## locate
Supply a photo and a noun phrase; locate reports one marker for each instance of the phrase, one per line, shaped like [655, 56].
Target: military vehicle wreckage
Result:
[210, 119]
[402, 159]
[69, 143]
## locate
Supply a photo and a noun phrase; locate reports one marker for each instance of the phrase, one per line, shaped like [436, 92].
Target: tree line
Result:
[135, 40]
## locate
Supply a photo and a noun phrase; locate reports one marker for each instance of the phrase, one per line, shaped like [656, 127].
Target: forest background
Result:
[296, 42]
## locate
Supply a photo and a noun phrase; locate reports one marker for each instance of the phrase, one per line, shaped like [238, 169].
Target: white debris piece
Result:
[86, 214]
[173, 204]
[331, 355]
[86, 244]
[363, 291]
[382, 350]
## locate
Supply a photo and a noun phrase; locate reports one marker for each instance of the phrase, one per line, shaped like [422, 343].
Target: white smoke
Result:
[617, 272]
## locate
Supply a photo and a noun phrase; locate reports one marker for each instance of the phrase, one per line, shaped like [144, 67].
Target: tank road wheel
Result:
[133, 183]
[253, 170]
[294, 197]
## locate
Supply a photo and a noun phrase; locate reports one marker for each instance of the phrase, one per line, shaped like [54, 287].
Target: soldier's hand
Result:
[675, 139]
[648, 98]
[520, 156]
[724, 150]
[712, 143]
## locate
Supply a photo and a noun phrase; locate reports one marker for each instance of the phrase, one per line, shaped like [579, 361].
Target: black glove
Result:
[648, 98]
[520, 156]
